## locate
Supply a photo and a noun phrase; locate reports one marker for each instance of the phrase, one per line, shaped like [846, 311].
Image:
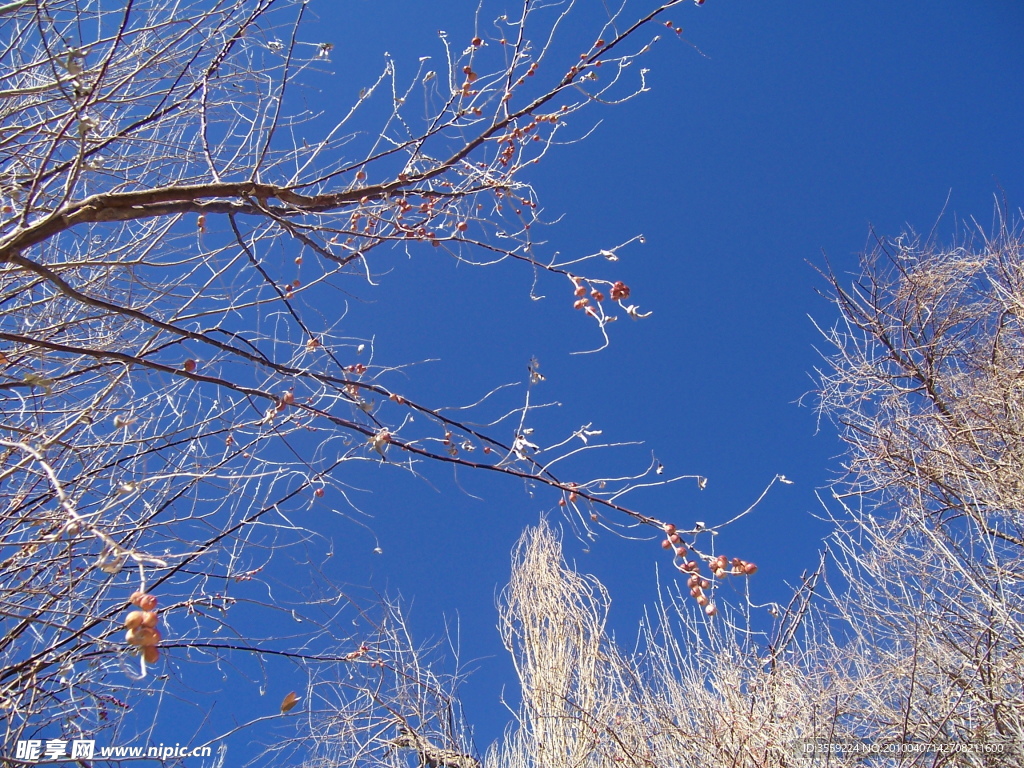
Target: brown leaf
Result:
[289, 702]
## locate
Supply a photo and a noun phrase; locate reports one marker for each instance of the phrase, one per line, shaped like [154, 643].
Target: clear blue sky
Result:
[791, 131]
[784, 130]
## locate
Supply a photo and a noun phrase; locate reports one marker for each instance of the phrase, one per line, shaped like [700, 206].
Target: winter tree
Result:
[180, 222]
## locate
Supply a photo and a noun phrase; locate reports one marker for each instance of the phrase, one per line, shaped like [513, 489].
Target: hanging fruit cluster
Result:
[584, 293]
[141, 626]
[720, 567]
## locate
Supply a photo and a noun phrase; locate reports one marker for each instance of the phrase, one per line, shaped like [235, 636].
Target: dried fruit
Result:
[150, 653]
[142, 600]
[189, 366]
[619, 291]
[133, 620]
[142, 636]
[749, 569]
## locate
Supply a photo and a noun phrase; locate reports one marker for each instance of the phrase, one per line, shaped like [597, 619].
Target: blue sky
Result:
[782, 131]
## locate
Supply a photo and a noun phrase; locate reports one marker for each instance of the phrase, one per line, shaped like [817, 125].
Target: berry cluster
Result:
[141, 626]
[720, 568]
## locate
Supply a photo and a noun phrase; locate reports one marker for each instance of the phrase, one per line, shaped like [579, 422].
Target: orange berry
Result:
[142, 636]
[142, 600]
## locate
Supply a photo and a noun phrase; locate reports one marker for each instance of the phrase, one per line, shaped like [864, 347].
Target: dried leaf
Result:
[289, 702]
